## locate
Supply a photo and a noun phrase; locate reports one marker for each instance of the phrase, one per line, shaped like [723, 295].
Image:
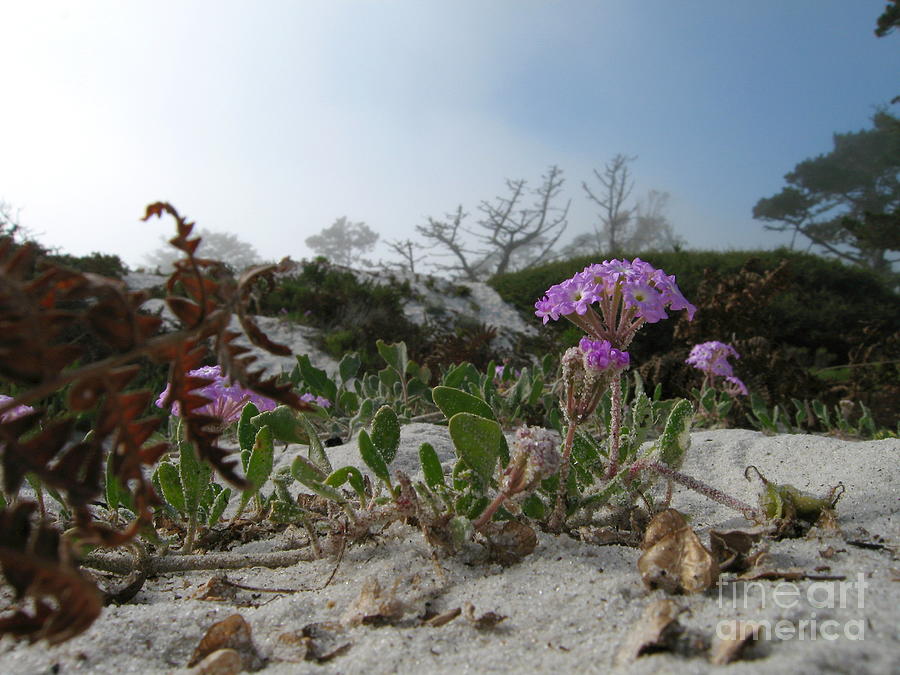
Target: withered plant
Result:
[40, 303]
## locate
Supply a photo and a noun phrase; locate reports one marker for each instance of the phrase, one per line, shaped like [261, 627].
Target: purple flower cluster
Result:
[601, 355]
[13, 413]
[227, 400]
[712, 358]
[320, 401]
[645, 291]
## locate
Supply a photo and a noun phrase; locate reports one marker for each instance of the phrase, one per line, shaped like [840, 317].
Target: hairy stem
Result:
[559, 509]
[698, 486]
[615, 426]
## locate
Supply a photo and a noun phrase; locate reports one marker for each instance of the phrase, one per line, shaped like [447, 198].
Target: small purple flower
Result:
[712, 358]
[13, 413]
[226, 400]
[628, 293]
[737, 386]
[601, 355]
[320, 401]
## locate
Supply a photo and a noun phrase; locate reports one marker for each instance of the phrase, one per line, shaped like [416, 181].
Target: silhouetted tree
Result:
[344, 242]
[407, 250]
[845, 202]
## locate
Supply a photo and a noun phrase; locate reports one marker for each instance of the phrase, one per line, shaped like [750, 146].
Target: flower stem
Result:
[615, 426]
[698, 486]
[559, 509]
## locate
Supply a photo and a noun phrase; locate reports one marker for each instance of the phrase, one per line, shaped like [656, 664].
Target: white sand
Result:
[569, 605]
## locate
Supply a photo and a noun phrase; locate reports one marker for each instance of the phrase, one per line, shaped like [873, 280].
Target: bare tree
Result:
[515, 235]
[223, 246]
[407, 250]
[511, 233]
[344, 242]
[448, 234]
[616, 185]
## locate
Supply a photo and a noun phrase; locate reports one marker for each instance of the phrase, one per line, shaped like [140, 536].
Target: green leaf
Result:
[431, 466]
[348, 474]
[170, 483]
[284, 424]
[708, 400]
[303, 470]
[479, 442]
[316, 450]
[394, 355]
[309, 475]
[262, 459]
[246, 430]
[676, 436]
[373, 458]
[452, 401]
[534, 507]
[316, 379]
[724, 407]
[218, 507]
[113, 487]
[194, 475]
[386, 433]
[349, 366]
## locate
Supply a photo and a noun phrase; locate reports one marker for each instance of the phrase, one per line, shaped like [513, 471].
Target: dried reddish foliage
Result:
[37, 308]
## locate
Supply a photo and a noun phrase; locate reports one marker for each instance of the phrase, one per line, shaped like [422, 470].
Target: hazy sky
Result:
[272, 119]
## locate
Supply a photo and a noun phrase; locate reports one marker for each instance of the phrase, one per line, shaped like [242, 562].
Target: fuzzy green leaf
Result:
[316, 450]
[194, 474]
[218, 507]
[431, 466]
[452, 401]
[394, 355]
[373, 458]
[348, 474]
[309, 475]
[246, 430]
[170, 483]
[316, 379]
[262, 459]
[283, 423]
[386, 433]
[676, 436]
[349, 366]
[479, 442]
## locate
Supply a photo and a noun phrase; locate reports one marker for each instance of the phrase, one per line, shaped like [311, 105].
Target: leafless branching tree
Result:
[612, 196]
[447, 236]
[408, 250]
[511, 234]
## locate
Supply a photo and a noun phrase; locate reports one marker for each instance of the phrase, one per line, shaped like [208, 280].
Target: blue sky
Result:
[272, 119]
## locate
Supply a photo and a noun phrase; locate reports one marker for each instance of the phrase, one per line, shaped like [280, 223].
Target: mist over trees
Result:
[224, 246]
[344, 242]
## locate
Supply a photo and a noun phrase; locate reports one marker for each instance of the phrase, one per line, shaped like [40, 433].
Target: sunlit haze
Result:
[270, 119]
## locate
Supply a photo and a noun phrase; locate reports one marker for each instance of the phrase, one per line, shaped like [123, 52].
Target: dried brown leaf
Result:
[234, 633]
[728, 649]
[674, 559]
[655, 631]
[486, 621]
[36, 564]
[513, 542]
[374, 605]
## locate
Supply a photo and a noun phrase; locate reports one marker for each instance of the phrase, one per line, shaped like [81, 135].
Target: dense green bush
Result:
[96, 263]
[792, 312]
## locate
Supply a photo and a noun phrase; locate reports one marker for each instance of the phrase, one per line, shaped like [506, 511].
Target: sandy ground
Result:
[569, 606]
